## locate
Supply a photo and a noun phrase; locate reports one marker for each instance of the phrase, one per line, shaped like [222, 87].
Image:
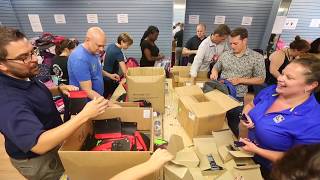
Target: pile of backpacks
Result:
[115, 135]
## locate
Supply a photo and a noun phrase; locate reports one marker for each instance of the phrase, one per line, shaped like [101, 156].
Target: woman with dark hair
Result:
[281, 58]
[315, 48]
[149, 50]
[59, 62]
[285, 115]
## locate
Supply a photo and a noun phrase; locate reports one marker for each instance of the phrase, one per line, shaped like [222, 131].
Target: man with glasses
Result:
[84, 67]
[31, 125]
[242, 67]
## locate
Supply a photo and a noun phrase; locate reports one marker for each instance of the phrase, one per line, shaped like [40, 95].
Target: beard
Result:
[27, 72]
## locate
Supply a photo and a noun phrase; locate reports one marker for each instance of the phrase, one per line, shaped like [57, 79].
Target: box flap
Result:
[175, 144]
[224, 153]
[225, 101]
[207, 109]
[188, 90]
[205, 145]
[241, 154]
[204, 162]
[176, 172]
[146, 71]
[143, 116]
[186, 157]
[223, 137]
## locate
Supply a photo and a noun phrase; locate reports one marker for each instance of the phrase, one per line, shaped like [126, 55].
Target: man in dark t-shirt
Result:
[191, 47]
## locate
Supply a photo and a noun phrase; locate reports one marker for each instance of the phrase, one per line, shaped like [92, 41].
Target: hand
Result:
[249, 124]
[250, 146]
[161, 57]
[235, 81]
[115, 77]
[94, 108]
[159, 158]
[66, 88]
[213, 75]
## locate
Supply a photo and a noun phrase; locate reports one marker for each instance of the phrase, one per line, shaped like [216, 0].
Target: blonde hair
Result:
[125, 37]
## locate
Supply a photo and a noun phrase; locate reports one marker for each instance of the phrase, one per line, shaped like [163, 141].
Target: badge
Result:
[278, 119]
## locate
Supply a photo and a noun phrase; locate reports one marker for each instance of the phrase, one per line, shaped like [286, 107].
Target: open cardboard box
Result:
[96, 165]
[147, 83]
[181, 76]
[200, 114]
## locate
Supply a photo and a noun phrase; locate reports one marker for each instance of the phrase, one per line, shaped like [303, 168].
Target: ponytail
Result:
[150, 30]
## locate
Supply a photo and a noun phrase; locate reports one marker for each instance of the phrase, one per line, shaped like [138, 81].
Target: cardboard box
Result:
[203, 113]
[147, 83]
[94, 165]
[181, 76]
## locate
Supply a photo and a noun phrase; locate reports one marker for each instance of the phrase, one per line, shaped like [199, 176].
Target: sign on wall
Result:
[291, 23]
[35, 22]
[246, 21]
[193, 19]
[122, 18]
[92, 18]
[60, 19]
[315, 23]
[219, 19]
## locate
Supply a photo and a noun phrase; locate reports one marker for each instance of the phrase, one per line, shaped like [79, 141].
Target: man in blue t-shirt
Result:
[84, 67]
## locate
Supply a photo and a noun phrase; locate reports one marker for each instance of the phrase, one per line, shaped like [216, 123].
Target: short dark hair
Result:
[301, 162]
[222, 30]
[300, 44]
[239, 31]
[8, 35]
[312, 63]
[66, 43]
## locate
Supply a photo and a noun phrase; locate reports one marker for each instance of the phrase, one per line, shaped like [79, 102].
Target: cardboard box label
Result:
[146, 113]
[192, 116]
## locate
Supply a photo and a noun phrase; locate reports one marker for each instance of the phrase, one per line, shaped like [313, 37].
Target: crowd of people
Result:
[282, 120]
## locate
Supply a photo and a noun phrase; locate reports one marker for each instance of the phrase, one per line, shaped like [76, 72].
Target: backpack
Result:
[222, 85]
[132, 62]
[114, 135]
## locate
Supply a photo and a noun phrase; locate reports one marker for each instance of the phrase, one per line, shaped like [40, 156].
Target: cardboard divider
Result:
[83, 165]
[181, 76]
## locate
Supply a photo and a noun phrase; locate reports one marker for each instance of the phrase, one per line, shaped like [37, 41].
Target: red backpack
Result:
[132, 62]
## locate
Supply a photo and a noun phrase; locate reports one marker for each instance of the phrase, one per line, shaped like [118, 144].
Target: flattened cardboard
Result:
[183, 156]
[199, 114]
[96, 165]
[147, 83]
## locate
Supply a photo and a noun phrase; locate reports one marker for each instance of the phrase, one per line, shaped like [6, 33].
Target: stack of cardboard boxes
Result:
[180, 76]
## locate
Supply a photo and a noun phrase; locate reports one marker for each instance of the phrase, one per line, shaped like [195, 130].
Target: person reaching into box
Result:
[115, 61]
[31, 125]
[284, 115]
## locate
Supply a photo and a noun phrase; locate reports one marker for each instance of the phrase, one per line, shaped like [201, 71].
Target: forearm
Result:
[195, 67]
[92, 94]
[53, 137]
[269, 154]
[252, 81]
[187, 52]
[135, 173]
[275, 73]
[105, 73]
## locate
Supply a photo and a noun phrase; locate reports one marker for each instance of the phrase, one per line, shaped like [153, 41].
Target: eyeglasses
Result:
[27, 57]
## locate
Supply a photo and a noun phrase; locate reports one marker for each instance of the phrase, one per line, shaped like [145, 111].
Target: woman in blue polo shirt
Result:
[284, 115]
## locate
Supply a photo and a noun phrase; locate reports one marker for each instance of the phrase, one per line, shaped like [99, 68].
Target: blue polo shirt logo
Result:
[278, 119]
